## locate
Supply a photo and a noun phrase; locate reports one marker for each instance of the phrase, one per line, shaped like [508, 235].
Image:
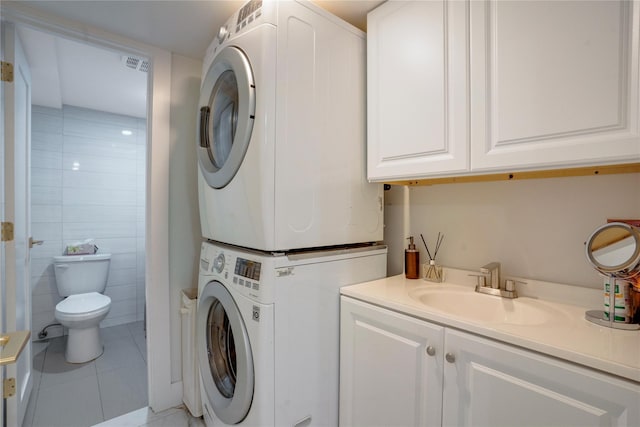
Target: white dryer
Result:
[282, 131]
[268, 332]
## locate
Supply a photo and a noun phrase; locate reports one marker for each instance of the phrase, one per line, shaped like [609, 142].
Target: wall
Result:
[88, 181]
[535, 228]
[184, 216]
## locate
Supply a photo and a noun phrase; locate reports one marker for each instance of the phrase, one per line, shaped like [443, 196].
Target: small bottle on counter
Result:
[432, 271]
[411, 261]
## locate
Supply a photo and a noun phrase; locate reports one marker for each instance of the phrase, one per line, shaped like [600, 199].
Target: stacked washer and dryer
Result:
[287, 214]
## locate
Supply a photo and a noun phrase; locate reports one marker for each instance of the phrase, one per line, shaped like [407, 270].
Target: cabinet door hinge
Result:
[9, 387]
[6, 73]
[6, 232]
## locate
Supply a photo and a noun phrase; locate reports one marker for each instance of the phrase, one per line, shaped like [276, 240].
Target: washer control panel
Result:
[247, 273]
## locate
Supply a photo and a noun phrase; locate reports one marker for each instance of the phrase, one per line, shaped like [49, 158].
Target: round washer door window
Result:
[227, 112]
[224, 354]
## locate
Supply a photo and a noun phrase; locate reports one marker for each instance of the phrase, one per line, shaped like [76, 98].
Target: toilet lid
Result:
[83, 303]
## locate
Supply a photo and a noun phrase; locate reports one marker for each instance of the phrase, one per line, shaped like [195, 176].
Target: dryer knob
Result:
[222, 33]
[218, 263]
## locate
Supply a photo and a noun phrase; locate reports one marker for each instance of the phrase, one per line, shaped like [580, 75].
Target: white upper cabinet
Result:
[417, 93]
[553, 83]
[458, 88]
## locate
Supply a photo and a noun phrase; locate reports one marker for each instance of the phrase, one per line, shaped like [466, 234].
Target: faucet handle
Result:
[481, 280]
[510, 285]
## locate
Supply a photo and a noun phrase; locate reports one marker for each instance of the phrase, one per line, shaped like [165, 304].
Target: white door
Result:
[16, 289]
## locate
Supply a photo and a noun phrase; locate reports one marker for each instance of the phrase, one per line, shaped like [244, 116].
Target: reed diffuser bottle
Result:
[432, 271]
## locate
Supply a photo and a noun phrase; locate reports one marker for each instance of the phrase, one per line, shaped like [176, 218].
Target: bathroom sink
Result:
[464, 302]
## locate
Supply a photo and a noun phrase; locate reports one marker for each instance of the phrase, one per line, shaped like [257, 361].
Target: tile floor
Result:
[174, 417]
[81, 395]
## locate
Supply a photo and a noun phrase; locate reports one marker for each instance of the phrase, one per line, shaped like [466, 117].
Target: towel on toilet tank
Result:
[86, 247]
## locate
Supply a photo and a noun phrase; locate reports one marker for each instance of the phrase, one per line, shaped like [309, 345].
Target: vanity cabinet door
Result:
[417, 89]
[390, 368]
[554, 84]
[493, 384]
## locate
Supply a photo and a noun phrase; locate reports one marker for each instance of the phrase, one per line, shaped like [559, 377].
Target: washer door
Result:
[227, 112]
[224, 354]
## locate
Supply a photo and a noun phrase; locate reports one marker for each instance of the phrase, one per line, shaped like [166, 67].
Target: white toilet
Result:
[82, 279]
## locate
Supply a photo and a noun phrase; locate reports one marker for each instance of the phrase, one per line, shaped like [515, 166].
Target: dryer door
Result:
[224, 354]
[227, 111]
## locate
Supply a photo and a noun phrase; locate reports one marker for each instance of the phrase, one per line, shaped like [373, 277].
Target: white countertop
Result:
[569, 336]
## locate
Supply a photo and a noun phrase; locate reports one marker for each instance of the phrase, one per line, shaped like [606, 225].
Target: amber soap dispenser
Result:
[411, 261]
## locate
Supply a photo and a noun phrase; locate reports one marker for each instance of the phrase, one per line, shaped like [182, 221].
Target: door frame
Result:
[17, 270]
[162, 393]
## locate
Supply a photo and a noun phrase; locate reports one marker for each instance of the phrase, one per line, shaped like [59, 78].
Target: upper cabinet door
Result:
[417, 89]
[554, 83]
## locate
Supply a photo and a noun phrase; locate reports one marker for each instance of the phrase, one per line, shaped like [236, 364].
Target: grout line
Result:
[95, 367]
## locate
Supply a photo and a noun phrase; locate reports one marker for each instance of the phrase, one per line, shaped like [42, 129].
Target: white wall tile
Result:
[88, 182]
[46, 231]
[43, 284]
[100, 117]
[46, 177]
[41, 267]
[45, 302]
[108, 181]
[46, 213]
[90, 196]
[120, 261]
[46, 121]
[119, 293]
[122, 308]
[80, 213]
[47, 250]
[46, 195]
[43, 141]
[112, 246]
[122, 277]
[95, 163]
[99, 147]
[94, 230]
[46, 159]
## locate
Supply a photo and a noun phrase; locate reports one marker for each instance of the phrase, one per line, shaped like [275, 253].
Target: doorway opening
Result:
[88, 168]
[162, 393]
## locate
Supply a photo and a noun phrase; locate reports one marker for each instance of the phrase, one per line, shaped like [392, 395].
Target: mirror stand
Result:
[599, 317]
[614, 251]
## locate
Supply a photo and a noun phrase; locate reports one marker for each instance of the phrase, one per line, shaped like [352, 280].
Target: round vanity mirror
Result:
[614, 249]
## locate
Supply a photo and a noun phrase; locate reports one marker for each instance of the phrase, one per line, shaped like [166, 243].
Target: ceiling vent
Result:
[136, 63]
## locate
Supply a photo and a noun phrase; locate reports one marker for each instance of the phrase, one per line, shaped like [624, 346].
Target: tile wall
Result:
[88, 181]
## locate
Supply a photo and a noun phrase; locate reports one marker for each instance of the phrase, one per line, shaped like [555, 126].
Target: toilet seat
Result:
[82, 306]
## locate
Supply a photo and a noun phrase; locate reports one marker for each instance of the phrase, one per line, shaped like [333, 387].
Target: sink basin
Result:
[464, 302]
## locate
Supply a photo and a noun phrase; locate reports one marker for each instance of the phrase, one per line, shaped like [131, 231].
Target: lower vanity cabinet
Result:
[390, 368]
[396, 370]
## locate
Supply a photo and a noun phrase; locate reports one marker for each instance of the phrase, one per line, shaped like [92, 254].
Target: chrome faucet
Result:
[491, 272]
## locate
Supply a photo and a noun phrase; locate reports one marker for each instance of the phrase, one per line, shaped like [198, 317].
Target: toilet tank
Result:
[79, 274]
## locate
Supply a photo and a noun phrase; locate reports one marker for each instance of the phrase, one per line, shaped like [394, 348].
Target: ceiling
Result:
[67, 72]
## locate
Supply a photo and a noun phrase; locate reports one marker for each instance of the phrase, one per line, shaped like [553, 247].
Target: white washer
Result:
[268, 332]
[282, 131]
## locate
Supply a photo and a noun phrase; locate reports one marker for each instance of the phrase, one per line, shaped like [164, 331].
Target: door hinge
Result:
[6, 69]
[9, 387]
[6, 234]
